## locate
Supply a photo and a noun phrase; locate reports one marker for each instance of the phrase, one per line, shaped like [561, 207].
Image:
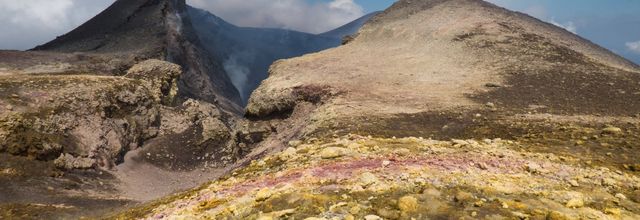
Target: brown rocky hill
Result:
[438, 109]
[451, 69]
[458, 69]
[435, 59]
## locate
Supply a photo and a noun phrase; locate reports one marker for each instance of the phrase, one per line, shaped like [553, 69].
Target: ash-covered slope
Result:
[159, 29]
[247, 53]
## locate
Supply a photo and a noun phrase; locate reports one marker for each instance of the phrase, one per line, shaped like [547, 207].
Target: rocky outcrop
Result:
[193, 135]
[161, 79]
[94, 118]
[66, 137]
[84, 121]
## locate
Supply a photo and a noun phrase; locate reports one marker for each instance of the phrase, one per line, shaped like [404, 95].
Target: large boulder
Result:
[161, 77]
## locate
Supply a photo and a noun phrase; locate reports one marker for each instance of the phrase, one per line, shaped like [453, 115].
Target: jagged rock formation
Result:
[87, 116]
[511, 118]
[57, 130]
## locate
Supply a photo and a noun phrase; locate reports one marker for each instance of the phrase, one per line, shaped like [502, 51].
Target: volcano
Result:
[153, 29]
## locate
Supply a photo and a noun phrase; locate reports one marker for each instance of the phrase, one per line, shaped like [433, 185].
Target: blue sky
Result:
[375, 5]
[367, 5]
[613, 24]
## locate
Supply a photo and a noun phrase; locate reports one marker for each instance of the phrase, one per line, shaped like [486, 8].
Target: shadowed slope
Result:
[122, 20]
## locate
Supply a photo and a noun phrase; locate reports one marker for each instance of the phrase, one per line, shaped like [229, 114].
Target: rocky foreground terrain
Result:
[435, 109]
[356, 177]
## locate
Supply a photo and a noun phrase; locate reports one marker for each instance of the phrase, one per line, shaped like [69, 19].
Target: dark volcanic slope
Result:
[247, 53]
[123, 21]
[157, 29]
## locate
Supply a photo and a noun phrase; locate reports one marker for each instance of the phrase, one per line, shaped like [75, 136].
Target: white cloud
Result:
[297, 15]
[569, 26]
[633, 46]
[26, 23]
[49, 14]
